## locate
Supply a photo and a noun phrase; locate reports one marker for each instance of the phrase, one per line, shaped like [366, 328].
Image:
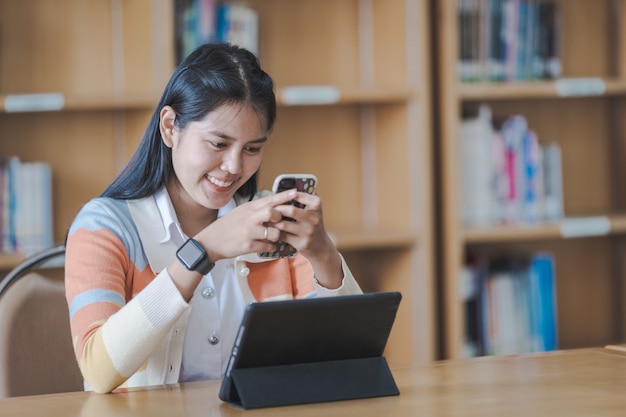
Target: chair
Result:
[36, 353]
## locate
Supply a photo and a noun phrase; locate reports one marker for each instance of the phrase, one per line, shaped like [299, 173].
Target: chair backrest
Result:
[36, 353]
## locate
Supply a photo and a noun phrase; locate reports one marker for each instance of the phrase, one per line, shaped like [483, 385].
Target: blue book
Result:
[543, 302]
[13, 172]
[222, 22]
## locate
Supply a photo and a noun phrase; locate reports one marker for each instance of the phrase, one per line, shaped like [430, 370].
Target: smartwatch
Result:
[194, 257]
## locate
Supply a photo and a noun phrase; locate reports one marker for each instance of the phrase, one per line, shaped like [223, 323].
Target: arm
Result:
[308, 234]
[113, 332]
[348, 285]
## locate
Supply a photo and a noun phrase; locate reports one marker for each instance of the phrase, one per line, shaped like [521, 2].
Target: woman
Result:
[149, 305]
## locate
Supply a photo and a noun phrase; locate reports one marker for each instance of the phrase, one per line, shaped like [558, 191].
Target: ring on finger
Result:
[265, 234]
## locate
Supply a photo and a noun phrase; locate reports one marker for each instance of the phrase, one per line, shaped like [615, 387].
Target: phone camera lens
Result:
[287, 183]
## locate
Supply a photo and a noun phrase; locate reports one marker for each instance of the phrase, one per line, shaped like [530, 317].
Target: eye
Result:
[218, 145]
[253, 149]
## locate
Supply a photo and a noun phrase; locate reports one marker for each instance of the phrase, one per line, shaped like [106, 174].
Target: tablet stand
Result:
[313, 382]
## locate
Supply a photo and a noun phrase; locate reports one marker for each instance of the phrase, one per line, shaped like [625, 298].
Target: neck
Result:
[192, 216]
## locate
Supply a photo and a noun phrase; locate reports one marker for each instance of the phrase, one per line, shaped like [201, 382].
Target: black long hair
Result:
[209, 77]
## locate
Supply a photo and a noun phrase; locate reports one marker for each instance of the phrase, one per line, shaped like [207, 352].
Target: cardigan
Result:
[127, 318]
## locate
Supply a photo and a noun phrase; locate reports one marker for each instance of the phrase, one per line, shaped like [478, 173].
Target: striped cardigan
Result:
[127, 317]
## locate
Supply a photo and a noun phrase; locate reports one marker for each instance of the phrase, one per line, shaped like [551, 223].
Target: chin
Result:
[217, 202]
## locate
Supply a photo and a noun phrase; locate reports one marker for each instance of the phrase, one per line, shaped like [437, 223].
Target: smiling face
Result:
[215, 156]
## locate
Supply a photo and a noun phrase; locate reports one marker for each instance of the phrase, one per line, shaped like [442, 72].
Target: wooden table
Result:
[585, 382]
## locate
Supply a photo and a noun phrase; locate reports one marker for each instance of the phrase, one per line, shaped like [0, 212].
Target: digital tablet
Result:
[279, 336]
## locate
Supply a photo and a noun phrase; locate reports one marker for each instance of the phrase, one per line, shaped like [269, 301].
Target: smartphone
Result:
[302, 182]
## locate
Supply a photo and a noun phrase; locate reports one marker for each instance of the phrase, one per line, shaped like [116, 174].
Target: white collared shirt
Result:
[217, 307]
[218, 302]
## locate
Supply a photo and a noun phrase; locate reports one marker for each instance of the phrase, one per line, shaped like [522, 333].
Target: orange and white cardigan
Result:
[127, 317]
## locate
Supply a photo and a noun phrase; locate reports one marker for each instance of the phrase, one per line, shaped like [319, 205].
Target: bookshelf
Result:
[105, 63]
[370, 146]
[588, 242]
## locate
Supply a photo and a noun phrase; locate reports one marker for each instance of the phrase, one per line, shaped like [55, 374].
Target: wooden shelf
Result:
[586, 226]
[494, 234]
[364, 240]
[541, 89]
[331, 95]
[309, 95]
[36, 102]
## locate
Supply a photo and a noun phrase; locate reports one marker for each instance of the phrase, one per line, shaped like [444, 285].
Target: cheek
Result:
[191, 160]
[251, 163]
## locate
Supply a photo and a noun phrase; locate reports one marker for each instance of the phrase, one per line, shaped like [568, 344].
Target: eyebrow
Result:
[223, 135]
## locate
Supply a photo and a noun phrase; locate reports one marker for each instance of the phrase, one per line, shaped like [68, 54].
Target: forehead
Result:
[234, 116]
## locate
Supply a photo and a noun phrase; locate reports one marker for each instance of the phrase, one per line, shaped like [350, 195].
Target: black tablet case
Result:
[313, 350]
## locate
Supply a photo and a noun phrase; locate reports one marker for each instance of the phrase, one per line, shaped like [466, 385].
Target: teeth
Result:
[220, 183]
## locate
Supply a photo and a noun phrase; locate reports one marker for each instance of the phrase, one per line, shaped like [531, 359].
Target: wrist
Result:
[328, 270]
[194, 257]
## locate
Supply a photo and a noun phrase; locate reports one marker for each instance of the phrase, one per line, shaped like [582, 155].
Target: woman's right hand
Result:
[245, 229]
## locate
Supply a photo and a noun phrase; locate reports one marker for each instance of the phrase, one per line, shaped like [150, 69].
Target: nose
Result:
[231, 162]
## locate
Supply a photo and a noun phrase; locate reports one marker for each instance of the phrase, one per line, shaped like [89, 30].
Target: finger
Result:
[282, 198]
[269, 234]
[310, 201]
[267, 214]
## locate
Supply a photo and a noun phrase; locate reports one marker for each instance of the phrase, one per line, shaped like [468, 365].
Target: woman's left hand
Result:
[307, 234]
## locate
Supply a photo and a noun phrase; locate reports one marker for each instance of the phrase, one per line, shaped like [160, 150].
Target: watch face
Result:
[191, 254]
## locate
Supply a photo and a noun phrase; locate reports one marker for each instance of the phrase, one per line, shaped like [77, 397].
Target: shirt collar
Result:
[171, 224]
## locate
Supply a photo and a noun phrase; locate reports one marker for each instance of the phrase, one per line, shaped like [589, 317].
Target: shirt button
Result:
[214, 339]
[208, 292]
[245, 271]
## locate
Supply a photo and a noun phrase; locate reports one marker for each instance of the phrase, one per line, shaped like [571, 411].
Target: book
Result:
[4, 185]
[507, 175]
[26, 221]
[471, 282]
[510, 304]
[13, 173]
[513, 132]
[532, 167]
[237, 24]
[542, 301]
[550, 18]
[552, 182]
[201, 21]
[495, 41]
[476, 175]
[508, 40]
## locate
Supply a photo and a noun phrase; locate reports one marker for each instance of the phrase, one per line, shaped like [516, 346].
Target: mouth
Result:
[219, 183]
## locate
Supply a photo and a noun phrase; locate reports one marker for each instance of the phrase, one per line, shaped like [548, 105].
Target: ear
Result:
[167, 126]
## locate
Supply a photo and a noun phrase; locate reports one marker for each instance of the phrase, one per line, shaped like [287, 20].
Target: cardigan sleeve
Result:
[119, 311]
[348, 286]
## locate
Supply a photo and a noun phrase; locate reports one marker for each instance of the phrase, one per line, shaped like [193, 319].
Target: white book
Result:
[33, 212]
[243, 27]
[23, 207]
[42, 213]
[476, 138]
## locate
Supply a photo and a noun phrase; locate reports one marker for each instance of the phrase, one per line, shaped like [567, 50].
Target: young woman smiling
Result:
[160, 266]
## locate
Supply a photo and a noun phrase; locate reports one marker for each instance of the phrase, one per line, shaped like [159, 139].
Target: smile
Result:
[220, 183]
